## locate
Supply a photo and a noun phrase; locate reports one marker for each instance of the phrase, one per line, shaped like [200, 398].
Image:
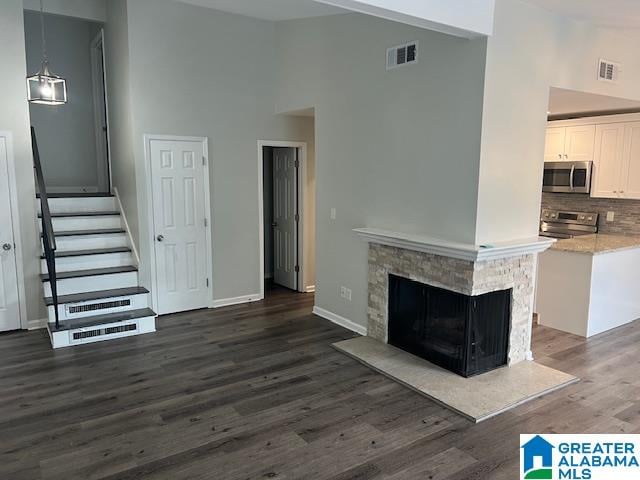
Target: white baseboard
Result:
[37, 324]
[126, 227]
[226, 302]
[310, 289]
[338, 320]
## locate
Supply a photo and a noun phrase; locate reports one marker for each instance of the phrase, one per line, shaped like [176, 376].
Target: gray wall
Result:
[397, 150]
[198, 72]
[66, 133]
[14, 117]
[123, 169]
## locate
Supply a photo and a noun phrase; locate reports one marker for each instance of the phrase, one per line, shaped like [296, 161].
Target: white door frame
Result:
[15, 223]
[148, 138]
[98, 41]
[302, 200]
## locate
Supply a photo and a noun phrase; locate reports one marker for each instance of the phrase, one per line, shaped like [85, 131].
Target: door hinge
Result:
[204, 160]
[207, 283]
[297, 268]
[297, 163]
[206, 223]
[297, 217]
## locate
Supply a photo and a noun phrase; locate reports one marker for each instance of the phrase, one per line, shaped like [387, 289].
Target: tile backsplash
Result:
[627, 212]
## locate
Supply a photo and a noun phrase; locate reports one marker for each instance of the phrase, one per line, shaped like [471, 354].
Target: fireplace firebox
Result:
[467, 335]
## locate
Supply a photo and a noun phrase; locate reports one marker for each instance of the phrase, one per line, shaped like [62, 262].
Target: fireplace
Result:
[465, 334]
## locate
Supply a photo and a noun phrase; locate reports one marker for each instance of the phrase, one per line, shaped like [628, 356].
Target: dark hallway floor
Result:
[256, 391]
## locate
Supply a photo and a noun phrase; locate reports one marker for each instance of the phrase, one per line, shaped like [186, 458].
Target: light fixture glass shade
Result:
[46, 88]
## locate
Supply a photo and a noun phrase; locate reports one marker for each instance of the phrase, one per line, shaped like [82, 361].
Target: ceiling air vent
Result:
[402, 55]
[608, 71]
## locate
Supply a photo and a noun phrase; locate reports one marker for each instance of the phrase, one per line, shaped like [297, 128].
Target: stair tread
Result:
[91, 272]
[102, 319]
[97, 213]
[91, 251]
[77, 195]
[102, 231]
[98, 295]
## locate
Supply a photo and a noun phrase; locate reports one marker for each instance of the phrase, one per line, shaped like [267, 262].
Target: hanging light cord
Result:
[45, 60]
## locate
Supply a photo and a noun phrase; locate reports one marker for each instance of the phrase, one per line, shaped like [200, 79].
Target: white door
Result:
[554, 145]
[180, 225]
[607, 165]
[9, 310]
[285, 208]
[579, 143]
[631, 162]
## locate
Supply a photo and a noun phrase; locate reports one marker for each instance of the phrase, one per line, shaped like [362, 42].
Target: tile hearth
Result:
[493, 393]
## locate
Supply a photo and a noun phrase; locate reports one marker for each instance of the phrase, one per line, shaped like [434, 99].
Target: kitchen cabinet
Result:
[607, 164]
[616, 168]
[572, 144]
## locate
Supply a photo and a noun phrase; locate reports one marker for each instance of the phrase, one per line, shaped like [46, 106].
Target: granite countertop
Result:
[597, 244]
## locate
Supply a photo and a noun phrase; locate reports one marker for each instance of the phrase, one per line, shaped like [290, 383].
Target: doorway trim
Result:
[302, 206]
[148, 183]
[15, 223]
[96, 43]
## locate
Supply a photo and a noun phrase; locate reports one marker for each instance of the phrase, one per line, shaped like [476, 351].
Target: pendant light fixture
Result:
[44, 87]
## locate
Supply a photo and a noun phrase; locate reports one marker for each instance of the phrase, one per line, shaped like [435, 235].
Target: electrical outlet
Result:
[345, 293]
[333, 214]
[611, 216]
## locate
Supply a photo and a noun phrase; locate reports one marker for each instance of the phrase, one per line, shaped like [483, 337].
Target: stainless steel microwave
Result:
[567, 177]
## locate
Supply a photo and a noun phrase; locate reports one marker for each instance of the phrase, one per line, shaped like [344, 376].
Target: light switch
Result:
[333, 214]
[611, 216]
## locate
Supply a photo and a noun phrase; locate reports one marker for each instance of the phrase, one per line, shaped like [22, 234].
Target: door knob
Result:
[6, 247]
[274, 224]
[160, 238]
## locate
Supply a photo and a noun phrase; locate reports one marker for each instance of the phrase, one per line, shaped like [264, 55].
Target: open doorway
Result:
[287, 216]
[73, 137]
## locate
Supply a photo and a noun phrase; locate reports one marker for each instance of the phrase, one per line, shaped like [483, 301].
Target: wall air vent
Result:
[608, 71]
[402, 55]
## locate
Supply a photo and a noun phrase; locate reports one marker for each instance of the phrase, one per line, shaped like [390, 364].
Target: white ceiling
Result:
[564, 102]
[274, 10]
[609, 13]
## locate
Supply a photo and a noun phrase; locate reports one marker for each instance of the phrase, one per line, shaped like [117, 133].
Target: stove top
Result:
[564, 224]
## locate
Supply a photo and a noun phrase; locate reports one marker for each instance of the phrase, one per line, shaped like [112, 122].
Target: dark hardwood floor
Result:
[257, 392]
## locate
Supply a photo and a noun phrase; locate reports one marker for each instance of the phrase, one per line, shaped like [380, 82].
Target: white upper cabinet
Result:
[554, 146]
[630, 181]
[579, 143]
[607, 165]
[570, 144]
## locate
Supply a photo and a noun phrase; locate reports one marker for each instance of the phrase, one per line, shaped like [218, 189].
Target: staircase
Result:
[98, 294]
[89, 273]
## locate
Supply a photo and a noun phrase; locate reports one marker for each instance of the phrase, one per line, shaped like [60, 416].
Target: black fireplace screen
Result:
[466, 335]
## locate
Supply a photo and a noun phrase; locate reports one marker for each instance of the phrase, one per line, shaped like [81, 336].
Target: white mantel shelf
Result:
[462, 251]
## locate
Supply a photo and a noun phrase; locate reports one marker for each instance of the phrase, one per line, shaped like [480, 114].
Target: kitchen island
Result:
[589, 284]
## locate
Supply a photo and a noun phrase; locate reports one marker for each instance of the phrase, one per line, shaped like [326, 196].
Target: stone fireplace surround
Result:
[461, 268]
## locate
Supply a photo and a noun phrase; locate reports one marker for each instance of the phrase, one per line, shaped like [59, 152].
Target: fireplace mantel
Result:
[461, 251]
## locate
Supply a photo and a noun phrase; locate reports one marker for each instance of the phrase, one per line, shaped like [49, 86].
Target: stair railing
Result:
[48, 237]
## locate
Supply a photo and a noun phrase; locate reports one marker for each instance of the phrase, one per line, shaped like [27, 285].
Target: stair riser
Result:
[88, 204]
[69, 286]
[65, 338]
[70, 224]
[137, 302]
[69, 264]
[90, 242]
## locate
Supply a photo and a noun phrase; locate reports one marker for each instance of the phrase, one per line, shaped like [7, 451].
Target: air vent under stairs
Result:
[98, 332]
[94, 307]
